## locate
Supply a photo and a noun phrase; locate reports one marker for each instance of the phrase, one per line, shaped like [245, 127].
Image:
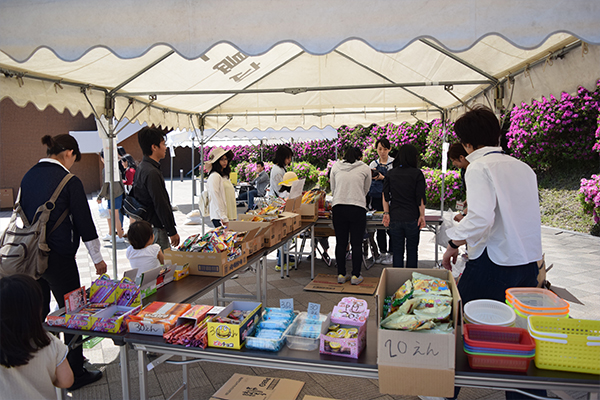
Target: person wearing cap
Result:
[350, 182]
[62, 274]
[150, 190]
[218, 176]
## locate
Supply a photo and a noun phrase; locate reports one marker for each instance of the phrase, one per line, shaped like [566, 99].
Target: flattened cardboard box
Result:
[415, 363]
[328, 283]
[242, 387]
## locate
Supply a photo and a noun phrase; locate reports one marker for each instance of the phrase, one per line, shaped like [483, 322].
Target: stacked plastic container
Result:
[535, 302]
[498, 347]
[566, 344]
[489, 312]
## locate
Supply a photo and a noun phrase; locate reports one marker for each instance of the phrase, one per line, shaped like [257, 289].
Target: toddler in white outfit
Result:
[143, 253]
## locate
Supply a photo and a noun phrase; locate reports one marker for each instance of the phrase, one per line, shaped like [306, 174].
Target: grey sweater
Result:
[350, 183]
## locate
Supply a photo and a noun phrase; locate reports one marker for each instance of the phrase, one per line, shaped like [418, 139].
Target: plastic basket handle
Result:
[548, 339]
[532, 331]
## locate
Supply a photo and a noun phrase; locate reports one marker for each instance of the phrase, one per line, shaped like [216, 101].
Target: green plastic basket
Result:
[565, 344]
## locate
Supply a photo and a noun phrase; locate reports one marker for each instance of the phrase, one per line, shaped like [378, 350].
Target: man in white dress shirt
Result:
[503, 228]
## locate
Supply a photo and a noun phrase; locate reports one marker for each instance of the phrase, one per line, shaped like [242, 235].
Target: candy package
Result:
[424, 285]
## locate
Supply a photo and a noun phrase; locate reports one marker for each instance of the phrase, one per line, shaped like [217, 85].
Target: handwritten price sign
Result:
[416, 349]
[314, 311]
[286, 304]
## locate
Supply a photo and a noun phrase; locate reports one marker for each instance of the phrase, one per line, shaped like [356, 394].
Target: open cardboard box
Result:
[308, 212]
[240, 387]
[275, 232]
[154, 278]
[211, 264]
[255, 238]
[415, 363]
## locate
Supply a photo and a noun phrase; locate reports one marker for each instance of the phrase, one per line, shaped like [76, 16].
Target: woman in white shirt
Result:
[283, 158]
[219, 169]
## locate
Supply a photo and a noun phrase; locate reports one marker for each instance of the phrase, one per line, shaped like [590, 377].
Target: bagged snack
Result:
[405, 322]
[424, 285]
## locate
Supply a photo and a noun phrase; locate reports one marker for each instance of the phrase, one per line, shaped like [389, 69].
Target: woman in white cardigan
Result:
[219, 169]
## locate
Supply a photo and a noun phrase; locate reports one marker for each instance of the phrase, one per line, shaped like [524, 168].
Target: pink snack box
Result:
[349, 313]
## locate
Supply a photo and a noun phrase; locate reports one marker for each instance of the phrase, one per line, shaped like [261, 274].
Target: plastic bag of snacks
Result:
[423, 303]
[216, 241]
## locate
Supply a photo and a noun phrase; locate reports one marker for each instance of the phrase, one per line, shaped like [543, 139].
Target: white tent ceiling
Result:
[275, 64]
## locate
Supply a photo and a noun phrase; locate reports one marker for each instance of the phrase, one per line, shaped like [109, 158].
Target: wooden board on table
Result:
[328, 283]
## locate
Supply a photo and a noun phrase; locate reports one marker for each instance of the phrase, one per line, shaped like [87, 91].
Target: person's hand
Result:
[386, 220]
[225, 224]
[100, 268]
[174, 240]
[458, 217]
[421, 222]
[449, 256]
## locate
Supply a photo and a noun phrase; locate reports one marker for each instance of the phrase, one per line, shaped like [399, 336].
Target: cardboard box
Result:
[240, 387]
[255, 238]
[206, 264]
[272, 235]
[349, 313]
[233, 336]
[291, 222]
[181, 272]
[6, 198]
[309, 211]
[415, 363]
[156, 318]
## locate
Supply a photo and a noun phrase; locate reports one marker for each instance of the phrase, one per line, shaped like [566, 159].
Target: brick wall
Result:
[21, 131]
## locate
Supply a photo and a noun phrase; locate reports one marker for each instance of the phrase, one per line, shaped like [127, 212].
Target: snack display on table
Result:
[109, 304]
[347, 333]
[305, 332]
[272, 329]
[191, 329]
[423, 303]
[156, 318]
[312, 195]
[215, 241]
[269, 211]
[233, 324]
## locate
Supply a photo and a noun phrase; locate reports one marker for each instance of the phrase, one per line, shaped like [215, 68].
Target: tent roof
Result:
[275, 64]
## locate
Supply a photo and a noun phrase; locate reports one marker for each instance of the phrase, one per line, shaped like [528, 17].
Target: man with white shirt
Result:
[503, 226]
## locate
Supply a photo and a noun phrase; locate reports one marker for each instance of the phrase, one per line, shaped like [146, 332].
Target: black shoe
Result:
[85, 379]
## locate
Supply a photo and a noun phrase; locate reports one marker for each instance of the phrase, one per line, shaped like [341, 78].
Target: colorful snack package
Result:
[428, 285]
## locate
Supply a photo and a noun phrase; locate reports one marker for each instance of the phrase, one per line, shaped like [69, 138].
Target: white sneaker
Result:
[388, 259]
[107, 238]
[119, 240]
[356, 280]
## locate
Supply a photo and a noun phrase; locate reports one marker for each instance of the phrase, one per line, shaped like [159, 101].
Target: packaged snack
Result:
[424, 285]
[406, 322]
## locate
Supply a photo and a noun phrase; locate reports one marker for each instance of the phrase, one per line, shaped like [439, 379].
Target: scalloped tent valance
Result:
[274, 64]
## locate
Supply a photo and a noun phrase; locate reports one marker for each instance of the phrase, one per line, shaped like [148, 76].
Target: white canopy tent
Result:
[275, 64]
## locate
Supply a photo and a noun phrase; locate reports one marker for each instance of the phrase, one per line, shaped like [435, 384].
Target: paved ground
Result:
[576, 260]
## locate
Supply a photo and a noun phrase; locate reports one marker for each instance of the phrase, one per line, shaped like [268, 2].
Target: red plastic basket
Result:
[499, 363]
[498, 337]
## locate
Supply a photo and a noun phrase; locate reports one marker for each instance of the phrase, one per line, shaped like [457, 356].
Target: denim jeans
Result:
[482, 279]
[250, 195]
[119, 206]
[401, 233]
[349, 221]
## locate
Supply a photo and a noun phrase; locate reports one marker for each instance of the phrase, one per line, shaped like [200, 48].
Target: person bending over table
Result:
[260, 182]
[404, 206]
[350, 180]
[503, 226]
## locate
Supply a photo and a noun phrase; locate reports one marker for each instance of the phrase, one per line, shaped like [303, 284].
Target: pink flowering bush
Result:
[432, 156]
[552, 131]
[323, 179]
[589, 195]
[453, 189]
[307, 171]
[247, 170]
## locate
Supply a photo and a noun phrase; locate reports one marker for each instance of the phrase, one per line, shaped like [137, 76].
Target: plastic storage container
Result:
[536, 300]
[305, 334]
[489, 312]
[566, 344]
[522, 315]
[498, 337]
[269, 344]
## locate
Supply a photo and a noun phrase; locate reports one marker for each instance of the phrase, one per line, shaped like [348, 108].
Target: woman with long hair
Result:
[129, 164]
[34, 362]
[218, 176]
[62, 274]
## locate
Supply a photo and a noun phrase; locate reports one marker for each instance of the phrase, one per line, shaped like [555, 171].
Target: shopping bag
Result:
[447, 223]
[103, 211]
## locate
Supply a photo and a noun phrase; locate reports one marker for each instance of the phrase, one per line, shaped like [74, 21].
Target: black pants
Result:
[216, 223]
[62, 277]
[382, 240]
[349, 221]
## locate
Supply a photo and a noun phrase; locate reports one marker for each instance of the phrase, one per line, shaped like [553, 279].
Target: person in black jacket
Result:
[149, 187]
[404, 205]
[62, 275]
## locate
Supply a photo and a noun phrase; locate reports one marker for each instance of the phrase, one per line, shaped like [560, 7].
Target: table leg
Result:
[124, 371]
[313, 252]
[258, 281]
[143, 373]
[264, 280]
[185, 379]
[435, 243]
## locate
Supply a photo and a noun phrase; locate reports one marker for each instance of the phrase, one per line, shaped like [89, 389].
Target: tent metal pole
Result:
[111, 175]
[304, 89]
[193, 173]
[171, 156]
[386, 78]
[202, 165]
[140, 72]
[444, 137]
[262, 151]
